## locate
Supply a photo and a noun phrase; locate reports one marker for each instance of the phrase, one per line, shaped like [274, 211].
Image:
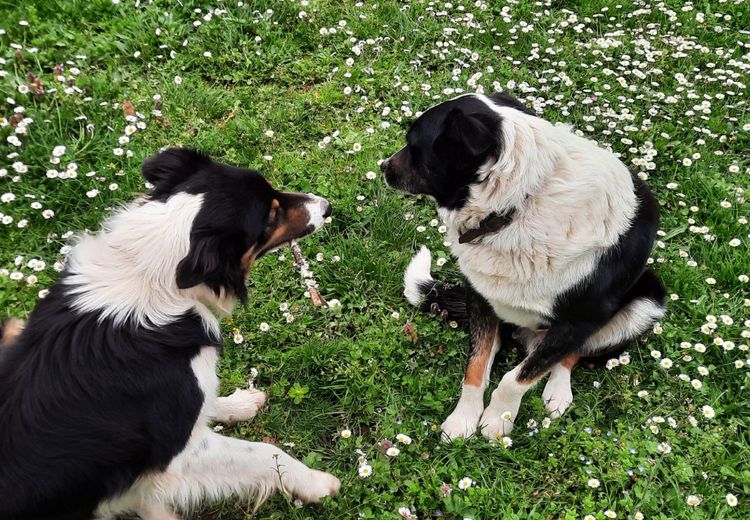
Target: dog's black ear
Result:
[171, 167]
[473, 133]
[210, 263]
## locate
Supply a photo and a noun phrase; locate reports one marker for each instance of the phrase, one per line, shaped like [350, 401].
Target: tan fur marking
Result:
[570, 361]
[11, 330]
[480, 358]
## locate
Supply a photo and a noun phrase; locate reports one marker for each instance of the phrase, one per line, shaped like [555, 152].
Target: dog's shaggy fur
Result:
[552, 233]
[107, 393]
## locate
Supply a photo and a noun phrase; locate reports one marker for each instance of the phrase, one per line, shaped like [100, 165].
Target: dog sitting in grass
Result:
[553, 235]
[107, 393]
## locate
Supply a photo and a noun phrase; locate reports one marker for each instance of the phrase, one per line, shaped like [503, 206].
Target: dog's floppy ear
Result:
[171, 167]
[211, 263]
[470, 132]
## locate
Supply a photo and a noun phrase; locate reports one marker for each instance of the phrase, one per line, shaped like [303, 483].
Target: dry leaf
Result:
[410, 331]
[128, 108]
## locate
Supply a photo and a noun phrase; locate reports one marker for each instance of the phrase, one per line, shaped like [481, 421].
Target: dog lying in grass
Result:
[107, 393]
[552, 233]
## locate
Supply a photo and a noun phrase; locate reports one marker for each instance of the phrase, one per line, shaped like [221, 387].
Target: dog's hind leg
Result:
[485, 342]
[640, 308]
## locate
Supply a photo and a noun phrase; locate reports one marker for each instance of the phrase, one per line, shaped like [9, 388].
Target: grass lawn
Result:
[313, 93]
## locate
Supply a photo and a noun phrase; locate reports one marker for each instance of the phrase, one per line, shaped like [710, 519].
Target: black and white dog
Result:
[552, 233]
[107, 394]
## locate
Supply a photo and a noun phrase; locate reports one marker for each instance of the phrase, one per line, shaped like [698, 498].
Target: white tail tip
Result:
[417, 273]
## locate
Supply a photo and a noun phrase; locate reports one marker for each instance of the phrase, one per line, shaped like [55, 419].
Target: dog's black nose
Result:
[383, 165]
[328, 210]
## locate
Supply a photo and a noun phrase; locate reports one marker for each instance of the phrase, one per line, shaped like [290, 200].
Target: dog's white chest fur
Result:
[204, 368]
[573, 200]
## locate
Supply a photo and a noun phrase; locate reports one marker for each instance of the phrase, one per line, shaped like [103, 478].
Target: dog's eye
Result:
[275, 212]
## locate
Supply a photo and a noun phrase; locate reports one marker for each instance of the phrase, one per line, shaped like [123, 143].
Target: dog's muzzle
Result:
[318, 209]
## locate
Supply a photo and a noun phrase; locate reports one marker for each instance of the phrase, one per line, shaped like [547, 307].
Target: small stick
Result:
[304, 270]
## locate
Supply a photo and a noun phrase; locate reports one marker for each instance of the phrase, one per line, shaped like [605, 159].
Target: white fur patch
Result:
[128, 270]
[557, 394]
[242, 405]
[417, 273]
[462, 422]
[316, 208]
[497, 419]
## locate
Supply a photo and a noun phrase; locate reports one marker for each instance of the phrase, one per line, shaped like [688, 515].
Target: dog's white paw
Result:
[315, 486]
[461, 424]
[497, 422]
[557, 395]
[242, 405]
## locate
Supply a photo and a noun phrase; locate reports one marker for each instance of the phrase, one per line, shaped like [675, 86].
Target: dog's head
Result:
[446, 146]
[242, 217]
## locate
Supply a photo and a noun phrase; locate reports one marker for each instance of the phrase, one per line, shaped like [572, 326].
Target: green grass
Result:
[353, 367]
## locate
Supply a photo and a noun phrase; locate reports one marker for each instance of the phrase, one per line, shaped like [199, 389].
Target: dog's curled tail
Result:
[428, 295]
[10, 330]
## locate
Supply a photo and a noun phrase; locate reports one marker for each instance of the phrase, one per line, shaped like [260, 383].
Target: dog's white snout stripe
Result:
[317, 209]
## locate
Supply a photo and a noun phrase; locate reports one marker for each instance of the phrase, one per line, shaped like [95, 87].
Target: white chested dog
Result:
[552, 233]
[107, 394]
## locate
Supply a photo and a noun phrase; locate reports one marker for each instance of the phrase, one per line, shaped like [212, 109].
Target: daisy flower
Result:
[465, 483]
[403, 438]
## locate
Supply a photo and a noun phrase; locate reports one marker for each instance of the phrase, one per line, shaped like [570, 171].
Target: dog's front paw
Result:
[557, 396]
[496, 422]
[315, 486]
[242, 405]
[461, 424]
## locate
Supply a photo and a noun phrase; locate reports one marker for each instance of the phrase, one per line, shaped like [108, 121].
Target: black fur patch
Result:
[88, 406]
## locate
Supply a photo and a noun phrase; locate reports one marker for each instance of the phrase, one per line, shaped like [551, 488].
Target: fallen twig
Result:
[304, 270]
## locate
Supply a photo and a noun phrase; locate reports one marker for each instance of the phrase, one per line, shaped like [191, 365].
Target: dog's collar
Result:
[492, 223]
